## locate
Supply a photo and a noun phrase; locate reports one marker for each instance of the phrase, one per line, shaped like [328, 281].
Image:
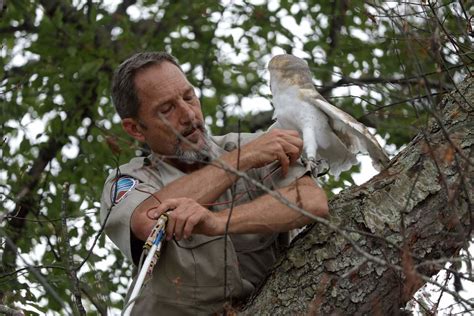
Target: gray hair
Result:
[124, 92]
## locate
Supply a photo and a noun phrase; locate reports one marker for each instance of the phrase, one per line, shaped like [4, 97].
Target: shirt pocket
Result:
[199, 261]
[245, 243]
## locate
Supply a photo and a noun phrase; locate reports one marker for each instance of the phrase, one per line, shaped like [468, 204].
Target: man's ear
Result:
[133, 128]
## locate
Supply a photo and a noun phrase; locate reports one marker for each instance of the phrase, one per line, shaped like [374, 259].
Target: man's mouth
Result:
[191, 131]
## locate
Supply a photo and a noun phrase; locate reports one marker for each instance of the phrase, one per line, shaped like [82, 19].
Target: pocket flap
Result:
[195, 241]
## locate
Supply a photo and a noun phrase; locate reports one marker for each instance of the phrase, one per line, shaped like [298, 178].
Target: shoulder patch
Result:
[121, 187]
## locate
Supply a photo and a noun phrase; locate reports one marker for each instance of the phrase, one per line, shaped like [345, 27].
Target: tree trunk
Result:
[417, 210]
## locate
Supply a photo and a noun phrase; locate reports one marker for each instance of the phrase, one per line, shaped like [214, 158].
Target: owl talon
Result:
[318, 168]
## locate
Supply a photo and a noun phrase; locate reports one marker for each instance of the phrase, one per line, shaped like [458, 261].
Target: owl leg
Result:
[318, 168]
[310, 145]
[312, 164]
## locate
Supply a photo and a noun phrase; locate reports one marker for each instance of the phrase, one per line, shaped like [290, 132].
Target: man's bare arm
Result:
[263, 215]
[268, 215]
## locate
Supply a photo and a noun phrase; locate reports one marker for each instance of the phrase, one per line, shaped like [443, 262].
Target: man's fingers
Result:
[170, 227]
[182, 220]
[186, 217]
[293, 132]
[286, 131]
[290, 135]
[295, 141]
[191, 223]
[284, 162]
[292, 152]
[165, 206]
[176, 221]
[291, 143]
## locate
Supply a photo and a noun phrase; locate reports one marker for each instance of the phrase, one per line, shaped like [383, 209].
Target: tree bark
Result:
[417, 210]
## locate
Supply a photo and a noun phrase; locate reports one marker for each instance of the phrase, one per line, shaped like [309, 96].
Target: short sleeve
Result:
[119, 199]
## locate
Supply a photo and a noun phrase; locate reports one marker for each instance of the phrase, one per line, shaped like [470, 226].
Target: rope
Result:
[152, 250]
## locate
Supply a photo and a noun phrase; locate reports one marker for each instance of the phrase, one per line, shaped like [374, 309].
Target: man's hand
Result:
[186, 217]
[278, 144]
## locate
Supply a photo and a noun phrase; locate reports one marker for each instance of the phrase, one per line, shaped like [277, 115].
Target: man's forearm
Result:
[206, 184]
[267, 214]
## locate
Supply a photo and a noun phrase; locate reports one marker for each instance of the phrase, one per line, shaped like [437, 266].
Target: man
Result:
[159, 107]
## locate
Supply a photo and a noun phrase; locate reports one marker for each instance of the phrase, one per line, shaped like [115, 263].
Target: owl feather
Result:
[329, 134]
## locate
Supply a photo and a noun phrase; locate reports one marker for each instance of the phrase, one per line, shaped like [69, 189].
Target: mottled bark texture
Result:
[418, 209]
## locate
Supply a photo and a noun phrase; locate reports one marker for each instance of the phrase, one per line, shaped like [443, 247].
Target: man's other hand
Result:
[186, 217]
[277, 144]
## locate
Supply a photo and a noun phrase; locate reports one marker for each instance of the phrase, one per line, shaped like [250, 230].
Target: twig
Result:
[448, 34]
[33, 270]
[227, 224]
[446, 280]
[27, 268]
[71, 271]
[354, 269]
[394, 103]
[102, 227]
[53, 219]
[372, 80]
[8, 311]
[89, 293]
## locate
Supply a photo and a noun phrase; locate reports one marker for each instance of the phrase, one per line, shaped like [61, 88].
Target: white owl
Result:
[331, 137]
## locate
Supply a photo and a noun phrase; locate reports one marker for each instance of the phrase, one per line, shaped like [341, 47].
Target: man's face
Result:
[169, 106]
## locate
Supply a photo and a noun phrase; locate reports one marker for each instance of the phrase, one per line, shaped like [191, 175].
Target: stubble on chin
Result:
[195, 155]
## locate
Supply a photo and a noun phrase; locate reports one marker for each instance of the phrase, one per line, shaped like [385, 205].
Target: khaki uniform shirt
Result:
[189, 276]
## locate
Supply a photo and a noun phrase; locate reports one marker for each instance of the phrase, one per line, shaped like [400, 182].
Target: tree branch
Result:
[71, 271]
[89, 293]
[23, 27]
[37, 274]
[7, 310]
[345, 81]
[122, 7]
[337, 22]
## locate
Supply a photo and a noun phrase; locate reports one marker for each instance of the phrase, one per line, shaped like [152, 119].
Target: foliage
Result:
[387, 65]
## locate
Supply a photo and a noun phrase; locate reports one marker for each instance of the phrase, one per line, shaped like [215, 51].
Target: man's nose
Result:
[187, 114]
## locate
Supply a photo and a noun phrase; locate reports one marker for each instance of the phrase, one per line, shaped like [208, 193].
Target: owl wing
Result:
[353, 133]
[320, 139]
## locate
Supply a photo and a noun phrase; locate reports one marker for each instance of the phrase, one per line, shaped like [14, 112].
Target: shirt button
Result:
[229, 146]
[190, 238]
